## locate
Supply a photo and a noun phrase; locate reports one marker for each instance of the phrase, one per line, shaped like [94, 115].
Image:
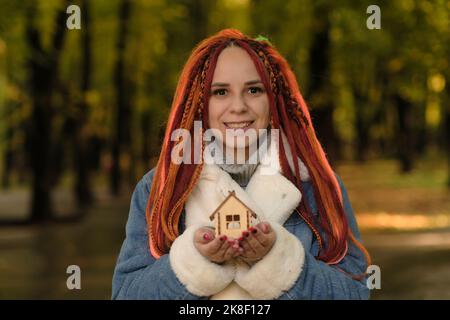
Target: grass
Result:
[378, 187]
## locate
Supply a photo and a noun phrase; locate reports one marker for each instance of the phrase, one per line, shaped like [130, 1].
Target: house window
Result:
[233, 221]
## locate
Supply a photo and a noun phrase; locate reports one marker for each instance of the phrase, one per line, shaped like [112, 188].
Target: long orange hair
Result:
[173, 183]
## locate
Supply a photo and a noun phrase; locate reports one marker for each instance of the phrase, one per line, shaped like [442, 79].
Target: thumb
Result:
[265, 227]
[206, 235]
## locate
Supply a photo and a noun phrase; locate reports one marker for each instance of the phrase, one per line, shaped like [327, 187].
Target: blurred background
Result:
[82, 114]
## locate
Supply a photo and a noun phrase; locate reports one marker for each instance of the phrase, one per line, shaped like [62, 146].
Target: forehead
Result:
[235, 64]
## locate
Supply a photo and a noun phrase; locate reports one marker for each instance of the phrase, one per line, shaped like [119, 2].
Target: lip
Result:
[239, 122]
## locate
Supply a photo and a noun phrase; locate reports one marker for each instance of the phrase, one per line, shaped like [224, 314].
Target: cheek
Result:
[214, 114]
[263, 112]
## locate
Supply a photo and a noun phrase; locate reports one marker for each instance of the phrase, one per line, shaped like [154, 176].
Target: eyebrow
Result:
[223, 84]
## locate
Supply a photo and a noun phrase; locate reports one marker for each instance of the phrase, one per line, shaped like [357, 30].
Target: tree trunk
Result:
[121, 137]
[362, 130]
[447, 138]
[8, 155]
[43, 75]
[447, 129]
[320, 93]
[82, 185]
[198, 15]
[405, 140]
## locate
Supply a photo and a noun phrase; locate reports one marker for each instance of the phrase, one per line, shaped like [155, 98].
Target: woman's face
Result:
[238, 99]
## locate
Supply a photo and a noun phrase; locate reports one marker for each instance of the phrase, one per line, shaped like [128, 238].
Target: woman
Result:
[306, 242]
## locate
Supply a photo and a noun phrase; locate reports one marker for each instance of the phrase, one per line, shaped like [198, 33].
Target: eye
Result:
[255, 90]
[219, 92]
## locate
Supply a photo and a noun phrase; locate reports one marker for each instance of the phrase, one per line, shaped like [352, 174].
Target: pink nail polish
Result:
[206, 236]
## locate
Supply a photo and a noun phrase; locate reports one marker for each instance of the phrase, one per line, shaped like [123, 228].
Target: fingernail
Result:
[206, 236]
[254, 231]
[245, 233]
[241, 238]
[223, 238]
[251, 229]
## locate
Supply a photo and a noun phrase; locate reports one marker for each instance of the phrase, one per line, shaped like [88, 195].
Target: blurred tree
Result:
[43, 73]
[405, 143]
[100, 102]
[356, 76]
[121, 137]
[320, 85]
[413, 53]
[12, 98]
[446, 126]
[81, 135]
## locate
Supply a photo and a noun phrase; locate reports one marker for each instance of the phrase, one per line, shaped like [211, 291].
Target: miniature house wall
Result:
[232, 217]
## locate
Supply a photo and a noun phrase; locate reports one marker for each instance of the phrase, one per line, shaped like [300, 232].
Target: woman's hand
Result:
[216, 249]
[257, 242]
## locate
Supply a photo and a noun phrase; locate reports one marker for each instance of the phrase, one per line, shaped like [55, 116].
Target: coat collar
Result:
[269, 194]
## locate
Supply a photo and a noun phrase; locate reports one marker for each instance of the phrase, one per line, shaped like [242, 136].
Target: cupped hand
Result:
[216, 249]
[257, 242]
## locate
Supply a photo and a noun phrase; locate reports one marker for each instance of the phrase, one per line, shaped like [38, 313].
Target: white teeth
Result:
[238, 125]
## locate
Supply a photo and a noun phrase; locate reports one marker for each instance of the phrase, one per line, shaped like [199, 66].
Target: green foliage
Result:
[409, 56]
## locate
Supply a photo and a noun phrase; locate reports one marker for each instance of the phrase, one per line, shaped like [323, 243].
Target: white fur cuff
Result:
[277, 271]
[200, 276]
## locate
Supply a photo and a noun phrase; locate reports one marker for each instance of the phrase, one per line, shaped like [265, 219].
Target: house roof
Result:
[231, 194]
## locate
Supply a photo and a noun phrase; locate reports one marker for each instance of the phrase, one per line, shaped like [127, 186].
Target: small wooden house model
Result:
[232, 217]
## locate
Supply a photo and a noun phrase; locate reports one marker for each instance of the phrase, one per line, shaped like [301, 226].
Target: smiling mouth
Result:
[238, 125]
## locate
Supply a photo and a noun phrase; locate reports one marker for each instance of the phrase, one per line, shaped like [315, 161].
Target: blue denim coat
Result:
[138, 275]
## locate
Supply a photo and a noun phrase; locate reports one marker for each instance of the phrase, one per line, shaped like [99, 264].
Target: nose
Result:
[238, 104]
